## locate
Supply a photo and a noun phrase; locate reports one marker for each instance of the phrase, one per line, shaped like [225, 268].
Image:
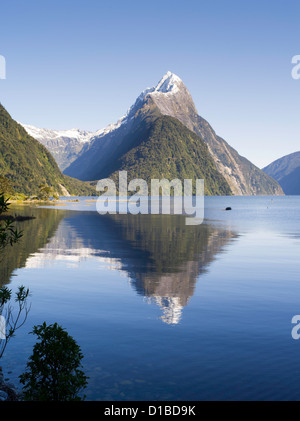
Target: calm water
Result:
[165, 311]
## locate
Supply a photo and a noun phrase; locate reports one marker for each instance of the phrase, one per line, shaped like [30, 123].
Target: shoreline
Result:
[8, 391]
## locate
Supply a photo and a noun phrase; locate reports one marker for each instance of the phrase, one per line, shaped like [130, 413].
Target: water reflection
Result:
[160, 255]
[36, 233]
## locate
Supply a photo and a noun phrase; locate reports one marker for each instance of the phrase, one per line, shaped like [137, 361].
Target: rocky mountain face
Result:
[149, 145]
[286, 171]
[100, 153]
[165, 148]
[64, 145]
[171, 98]
[111, 142]
[243, 177]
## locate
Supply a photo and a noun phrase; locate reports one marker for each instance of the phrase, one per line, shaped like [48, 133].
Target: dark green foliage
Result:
[6, 186]
[53, 370]
[13, 321]
[39, 225]
[8, 234]
[28, 164]
[155, 147]
[46, 192]
[4, 204]
[169, 150]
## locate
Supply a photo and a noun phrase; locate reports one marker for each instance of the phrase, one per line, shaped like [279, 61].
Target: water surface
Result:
[165, 311]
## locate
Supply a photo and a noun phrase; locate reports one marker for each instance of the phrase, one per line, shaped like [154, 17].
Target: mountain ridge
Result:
[148, 152]
[235, 168]
[171, 97]
[28, 164]
[286, 170]
[64, 145]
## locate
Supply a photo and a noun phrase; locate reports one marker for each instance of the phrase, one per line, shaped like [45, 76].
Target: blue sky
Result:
[82, 64]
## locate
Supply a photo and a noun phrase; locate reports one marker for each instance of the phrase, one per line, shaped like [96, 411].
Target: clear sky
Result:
[81, 64]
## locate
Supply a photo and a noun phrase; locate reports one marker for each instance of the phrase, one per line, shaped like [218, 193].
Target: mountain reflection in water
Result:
[161, 256]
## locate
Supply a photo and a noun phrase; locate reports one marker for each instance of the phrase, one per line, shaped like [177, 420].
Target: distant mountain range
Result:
[138, 143]
[64, 145]
[286, 171]
[28, 164]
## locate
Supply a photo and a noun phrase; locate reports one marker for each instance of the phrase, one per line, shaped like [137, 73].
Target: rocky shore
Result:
[8, 391]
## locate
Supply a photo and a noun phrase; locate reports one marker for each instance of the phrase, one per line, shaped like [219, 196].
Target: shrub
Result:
[53, 370]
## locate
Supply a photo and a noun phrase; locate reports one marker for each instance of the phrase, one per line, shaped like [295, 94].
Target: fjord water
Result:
[162, 310]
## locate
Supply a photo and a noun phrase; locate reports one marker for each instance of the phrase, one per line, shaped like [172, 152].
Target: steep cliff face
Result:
[243, 177]
[170, 97]
[87, 156]
[150, 145]
[167, 149]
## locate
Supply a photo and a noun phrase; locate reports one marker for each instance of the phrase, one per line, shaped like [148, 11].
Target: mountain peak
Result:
[168, 83]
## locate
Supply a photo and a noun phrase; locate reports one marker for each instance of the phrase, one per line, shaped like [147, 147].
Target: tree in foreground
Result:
[11, 319]
[8, 234]
[14, 319]
[53, 371]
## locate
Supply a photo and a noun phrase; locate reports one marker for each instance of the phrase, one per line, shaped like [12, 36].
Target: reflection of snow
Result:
[2, 328]
[172, 309]
[72, 257]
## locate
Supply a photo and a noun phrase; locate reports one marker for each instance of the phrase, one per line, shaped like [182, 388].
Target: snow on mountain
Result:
[169, 83]
[171, 98]
[46, 134]
[67, 145]
[64, 145]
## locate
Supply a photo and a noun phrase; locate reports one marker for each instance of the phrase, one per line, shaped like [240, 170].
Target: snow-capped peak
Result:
[168, 83]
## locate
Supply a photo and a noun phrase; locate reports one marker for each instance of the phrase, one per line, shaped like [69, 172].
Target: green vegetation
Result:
[53, 370]
[12, 321]
[257, 181]
[37, 227]
[27, 164]
[169, 150]
[56, 359]
[6, 186]
[154, 146]
[9, 235]
[46, 192]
